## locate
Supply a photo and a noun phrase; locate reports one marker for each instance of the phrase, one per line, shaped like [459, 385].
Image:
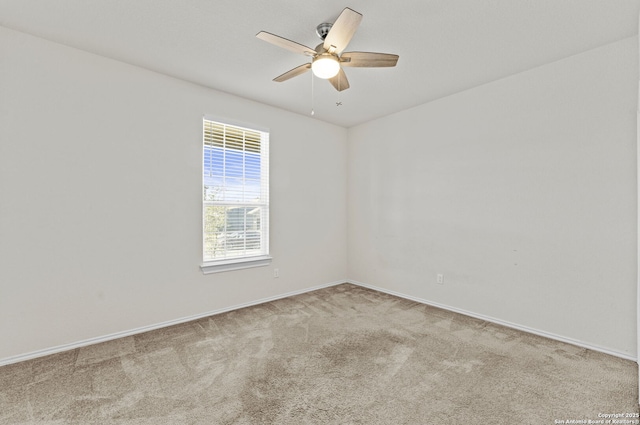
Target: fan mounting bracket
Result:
[323, 29]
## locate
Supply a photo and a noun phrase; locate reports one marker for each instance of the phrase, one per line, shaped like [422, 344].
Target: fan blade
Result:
[340, 81]
[285, 43]
[368, 59]
[293, 72]
[342, 30]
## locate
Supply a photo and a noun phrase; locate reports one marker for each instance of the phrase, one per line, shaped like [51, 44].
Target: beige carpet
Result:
[342, 355]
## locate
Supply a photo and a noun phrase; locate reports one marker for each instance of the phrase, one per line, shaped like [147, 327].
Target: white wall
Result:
[522, 192]
[100, 198]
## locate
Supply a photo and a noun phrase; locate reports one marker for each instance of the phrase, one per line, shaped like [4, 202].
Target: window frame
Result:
[246, 261]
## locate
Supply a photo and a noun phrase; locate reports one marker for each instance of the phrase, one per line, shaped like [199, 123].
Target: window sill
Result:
[235, 264]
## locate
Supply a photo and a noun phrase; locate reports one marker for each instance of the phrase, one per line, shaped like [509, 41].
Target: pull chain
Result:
[312, 107]
[339, 102]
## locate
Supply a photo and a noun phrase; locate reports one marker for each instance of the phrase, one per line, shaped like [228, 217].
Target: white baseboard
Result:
[97, 340]
[499, 322]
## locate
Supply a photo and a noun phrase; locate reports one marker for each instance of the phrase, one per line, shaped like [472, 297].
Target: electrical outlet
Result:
[276, 272]
[440, 279]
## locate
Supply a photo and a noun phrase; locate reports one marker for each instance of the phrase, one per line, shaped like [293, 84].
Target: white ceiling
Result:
[445, 46]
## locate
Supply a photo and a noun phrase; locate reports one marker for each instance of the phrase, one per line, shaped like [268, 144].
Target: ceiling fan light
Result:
[325, 66]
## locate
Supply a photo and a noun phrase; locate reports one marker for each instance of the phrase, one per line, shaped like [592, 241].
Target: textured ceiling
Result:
[445, 46]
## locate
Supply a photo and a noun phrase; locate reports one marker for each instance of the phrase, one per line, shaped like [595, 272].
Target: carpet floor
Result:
[340, 355]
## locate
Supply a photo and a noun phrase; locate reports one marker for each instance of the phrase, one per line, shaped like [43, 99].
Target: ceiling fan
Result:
[327, 59]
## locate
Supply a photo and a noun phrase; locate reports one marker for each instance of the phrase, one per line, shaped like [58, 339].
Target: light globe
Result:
[325, 66]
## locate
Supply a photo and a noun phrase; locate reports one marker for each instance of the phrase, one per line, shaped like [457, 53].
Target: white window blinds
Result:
[235, 192]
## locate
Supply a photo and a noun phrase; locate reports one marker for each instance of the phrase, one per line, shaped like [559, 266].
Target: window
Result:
[235, 203]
